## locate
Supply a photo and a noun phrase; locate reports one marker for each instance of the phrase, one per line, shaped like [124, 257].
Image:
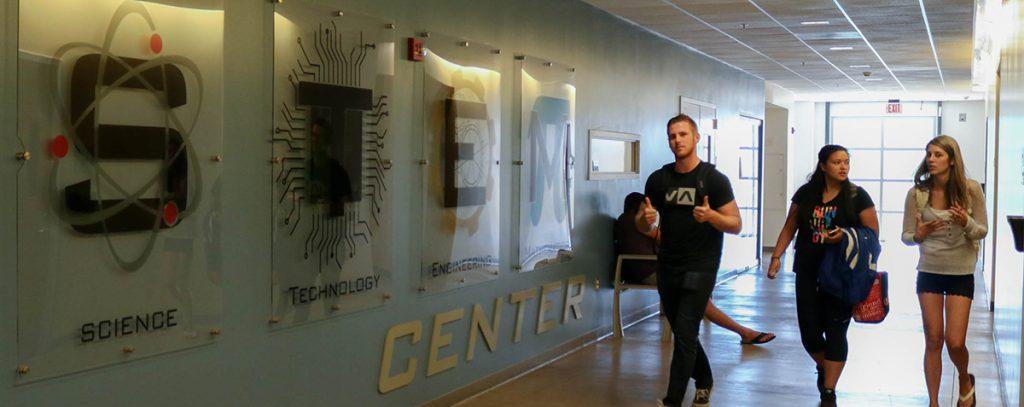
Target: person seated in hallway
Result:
[944, 215]
[823, 206]
[629, 240]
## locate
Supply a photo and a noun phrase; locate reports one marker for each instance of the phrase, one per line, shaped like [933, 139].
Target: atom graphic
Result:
[94, 76]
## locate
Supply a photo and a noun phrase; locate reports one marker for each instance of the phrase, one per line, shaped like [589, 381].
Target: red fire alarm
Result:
[415, 49]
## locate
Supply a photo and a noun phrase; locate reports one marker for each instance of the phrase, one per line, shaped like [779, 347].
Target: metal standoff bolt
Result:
[390, 26]
[128, 349]
[517, 162]
[218, 158]
[547, 64]
[425, 34]
[387, 296]
[276, 160]
[463, 43]
[520, 57]
[421, 289]
[517, 267]
[386, 162]
[424, 162]
[497, 162]
[338, 13]
[23, 155]
[275, 319]
[277, 1]
[597, 284]
[23, 370]
[335, 307]
[572, 69]
[496, 51]
[462, 281]
[215, 332]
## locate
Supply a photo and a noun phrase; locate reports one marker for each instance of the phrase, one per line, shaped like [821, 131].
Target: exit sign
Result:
[894, 106]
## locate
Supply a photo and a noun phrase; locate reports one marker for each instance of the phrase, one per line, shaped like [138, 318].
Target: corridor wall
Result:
[1009, 200]
[627, 80]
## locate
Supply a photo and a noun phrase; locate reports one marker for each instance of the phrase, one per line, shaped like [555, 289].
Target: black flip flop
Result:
[760, 339]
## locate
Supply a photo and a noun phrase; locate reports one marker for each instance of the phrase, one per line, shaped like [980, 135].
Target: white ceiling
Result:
[766, 39]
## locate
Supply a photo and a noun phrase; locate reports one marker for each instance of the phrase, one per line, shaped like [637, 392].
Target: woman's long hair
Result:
[816, 182]
[956, 186]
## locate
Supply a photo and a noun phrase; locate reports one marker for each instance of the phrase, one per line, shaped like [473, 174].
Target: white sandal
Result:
[970, 394]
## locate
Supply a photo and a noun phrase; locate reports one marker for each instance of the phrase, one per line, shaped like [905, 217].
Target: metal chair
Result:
[620, 286]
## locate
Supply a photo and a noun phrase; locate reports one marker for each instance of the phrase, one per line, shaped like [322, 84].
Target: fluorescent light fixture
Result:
[993, 24]
[814, 23]
[860, 66]
[840, 48]
[873, 79]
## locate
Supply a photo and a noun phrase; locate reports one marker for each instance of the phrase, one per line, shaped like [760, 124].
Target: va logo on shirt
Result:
[681, 196]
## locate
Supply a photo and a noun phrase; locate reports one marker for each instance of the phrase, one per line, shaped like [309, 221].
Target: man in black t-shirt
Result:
[693, 205]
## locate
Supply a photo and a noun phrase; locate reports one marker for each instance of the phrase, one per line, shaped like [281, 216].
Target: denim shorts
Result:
[945, 284]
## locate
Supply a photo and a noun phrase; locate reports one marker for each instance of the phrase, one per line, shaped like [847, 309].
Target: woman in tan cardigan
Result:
[945, 216]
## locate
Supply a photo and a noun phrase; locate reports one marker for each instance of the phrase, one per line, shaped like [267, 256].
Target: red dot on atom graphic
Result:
[59, 146]
[170, 213]
[156, 43]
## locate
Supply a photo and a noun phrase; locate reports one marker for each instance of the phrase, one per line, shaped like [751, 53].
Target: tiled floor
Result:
[884, 368]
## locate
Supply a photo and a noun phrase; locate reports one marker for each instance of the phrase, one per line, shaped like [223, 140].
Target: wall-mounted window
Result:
[613, 155]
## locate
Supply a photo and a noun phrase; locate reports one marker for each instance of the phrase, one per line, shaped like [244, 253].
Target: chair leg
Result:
[617, 313]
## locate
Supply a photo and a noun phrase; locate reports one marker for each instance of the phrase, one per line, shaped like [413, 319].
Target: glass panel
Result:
[874, 190]
[548, 111]
[859, 132]
[611, 155]
[865, 164]
[900, 164]
[894, 195]
[118, 262]
[745, 191]
[331, 154]
[891, 227]
[908, 132]
[461, 145]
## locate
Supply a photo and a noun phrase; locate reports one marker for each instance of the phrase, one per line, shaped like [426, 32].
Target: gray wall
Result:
[970, 134]
[627, 80]
[776, 144]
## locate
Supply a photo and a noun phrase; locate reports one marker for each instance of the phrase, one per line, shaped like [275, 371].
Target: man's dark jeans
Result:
[685, 291]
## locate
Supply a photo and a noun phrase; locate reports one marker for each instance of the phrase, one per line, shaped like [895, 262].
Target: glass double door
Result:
[884, 155]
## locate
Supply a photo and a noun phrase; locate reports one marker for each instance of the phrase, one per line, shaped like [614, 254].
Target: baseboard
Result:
[724, 276]
[525, 367]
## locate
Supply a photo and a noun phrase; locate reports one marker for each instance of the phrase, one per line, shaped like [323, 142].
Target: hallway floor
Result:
[884, 367]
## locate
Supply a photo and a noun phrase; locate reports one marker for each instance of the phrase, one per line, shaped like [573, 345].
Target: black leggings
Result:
[823, 318]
